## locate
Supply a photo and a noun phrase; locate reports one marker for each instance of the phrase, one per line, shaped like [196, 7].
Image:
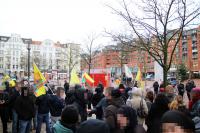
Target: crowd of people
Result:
[71, 109]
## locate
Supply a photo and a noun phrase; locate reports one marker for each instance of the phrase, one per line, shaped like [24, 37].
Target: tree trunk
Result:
[165, 71]
[89, 67]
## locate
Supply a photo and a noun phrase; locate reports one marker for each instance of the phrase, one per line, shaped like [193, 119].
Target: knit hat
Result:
[179, 119]
[93, 126]
[115, 93]
[69, 115]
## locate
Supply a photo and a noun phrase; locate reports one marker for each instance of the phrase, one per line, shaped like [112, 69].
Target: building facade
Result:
[47, 54]
[187, 52]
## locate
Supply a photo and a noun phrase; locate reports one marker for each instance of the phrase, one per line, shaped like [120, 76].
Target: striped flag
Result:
[88, 79]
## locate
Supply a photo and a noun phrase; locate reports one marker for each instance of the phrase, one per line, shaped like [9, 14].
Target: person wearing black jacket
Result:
[181, 88]
[56, 104]
[189, 86]
[13, 97]
[43, 112]
[25, 109]
[155, 86]
[97, 96]
[158, 108]
[4, 98]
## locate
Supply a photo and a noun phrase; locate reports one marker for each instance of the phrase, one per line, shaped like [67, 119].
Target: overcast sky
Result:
[59, 20]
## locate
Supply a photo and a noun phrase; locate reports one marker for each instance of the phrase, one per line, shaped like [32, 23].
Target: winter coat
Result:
[4, 96]
[56, 105]
[181, 88]
[196, 109]
[43, 104]
[135, 103]
[59, 128]
[158, 108]
[97, 98]
[111, 114]
[13, 97]
[25, 108]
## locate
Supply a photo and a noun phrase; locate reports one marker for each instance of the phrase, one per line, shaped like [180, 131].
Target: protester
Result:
[43, 112]
[177, 122]
[89, 97]
[111, 110]
[170, 93]
[33, 98]
[189, 86]
[4, 99]
[25, 110]
[149, 99]
[181, 88]
[155, 86]
[66, 86]
[97, 96]
[139, 104]
[13, 97]
[101, 106]
[158, 108]
[68, 122]
[56, 104]
[127, 119]
[176, 103]
[194, 104]
[93, 126]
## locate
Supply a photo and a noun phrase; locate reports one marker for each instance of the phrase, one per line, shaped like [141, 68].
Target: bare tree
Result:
[73, 58]
[90, 51]
[159, 26]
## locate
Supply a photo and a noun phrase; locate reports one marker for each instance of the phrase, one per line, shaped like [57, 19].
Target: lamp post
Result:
[28, 42]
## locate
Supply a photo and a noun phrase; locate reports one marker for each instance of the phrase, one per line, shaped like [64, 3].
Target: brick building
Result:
[186, 52]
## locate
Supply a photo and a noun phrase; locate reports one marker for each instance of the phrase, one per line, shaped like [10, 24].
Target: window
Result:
[13, 66]
[1, 51]
[1, 59]
[16, 66]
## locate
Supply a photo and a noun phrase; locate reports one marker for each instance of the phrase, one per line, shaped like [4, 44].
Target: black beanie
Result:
[115, 93]
[69, 115]
[178, 118]
[93, 126]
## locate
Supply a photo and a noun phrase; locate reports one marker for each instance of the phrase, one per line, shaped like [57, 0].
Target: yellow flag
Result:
[39, 81]
[74, 78]
[139, 75]
[141, 84]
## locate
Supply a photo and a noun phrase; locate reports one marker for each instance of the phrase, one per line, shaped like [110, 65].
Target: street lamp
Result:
[28, 42]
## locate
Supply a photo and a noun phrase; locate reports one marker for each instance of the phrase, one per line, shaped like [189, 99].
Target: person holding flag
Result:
[42, 100]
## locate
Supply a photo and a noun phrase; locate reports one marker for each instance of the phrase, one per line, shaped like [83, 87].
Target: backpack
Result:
[140, 111]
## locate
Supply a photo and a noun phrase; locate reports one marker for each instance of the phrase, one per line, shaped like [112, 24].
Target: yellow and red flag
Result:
[88, 79]
[39, 81]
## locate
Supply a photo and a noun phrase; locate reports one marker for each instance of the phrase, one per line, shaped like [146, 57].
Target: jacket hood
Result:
[137, 92]
[58, 128]
[93, 126]
[117, 101]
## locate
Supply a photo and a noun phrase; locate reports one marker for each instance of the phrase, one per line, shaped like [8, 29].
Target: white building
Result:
[47, 54]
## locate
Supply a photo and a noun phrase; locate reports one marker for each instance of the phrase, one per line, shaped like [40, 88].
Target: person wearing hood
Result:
[176, 122]
[97, 96]
[25, 109]
[68, 122]
[137, 102]
[127, 119]
[158, 108]
[111, 110]
[93, 126]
